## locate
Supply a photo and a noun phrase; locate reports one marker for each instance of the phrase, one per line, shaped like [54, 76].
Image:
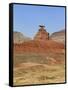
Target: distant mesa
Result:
[19, 38]
[59, 36]
[42, 34]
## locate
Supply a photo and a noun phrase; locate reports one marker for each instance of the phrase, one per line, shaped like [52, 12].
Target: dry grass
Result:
[38, 69]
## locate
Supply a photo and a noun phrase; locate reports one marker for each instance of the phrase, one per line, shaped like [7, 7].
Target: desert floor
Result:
[38, 68]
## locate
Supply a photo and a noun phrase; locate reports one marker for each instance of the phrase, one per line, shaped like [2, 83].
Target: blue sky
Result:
[27, 18]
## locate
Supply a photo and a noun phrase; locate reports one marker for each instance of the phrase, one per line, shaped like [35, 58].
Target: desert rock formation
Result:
[19, 38]
[39, 47]
[41, 42]
[42, 34]
[59, 36]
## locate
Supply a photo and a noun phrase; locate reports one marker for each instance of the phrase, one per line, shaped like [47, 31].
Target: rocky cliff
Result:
[18, 37]
[58, 36]
[42, 34]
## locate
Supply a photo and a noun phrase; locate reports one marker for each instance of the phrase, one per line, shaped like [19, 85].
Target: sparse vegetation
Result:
[32, 68]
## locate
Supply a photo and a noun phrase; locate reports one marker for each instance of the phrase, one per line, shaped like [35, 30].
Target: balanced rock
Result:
[42, 34]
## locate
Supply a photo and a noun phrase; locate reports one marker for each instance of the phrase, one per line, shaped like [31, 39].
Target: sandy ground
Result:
[37, 69]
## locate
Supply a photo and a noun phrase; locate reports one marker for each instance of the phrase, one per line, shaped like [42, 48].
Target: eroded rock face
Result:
[42, 34]
[39, 47]
[19, 38]
[41, 42]
[58, 36]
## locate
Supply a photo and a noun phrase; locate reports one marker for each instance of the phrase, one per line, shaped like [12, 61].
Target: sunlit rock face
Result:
[42, 34]
[58, 36]
[19, 38]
